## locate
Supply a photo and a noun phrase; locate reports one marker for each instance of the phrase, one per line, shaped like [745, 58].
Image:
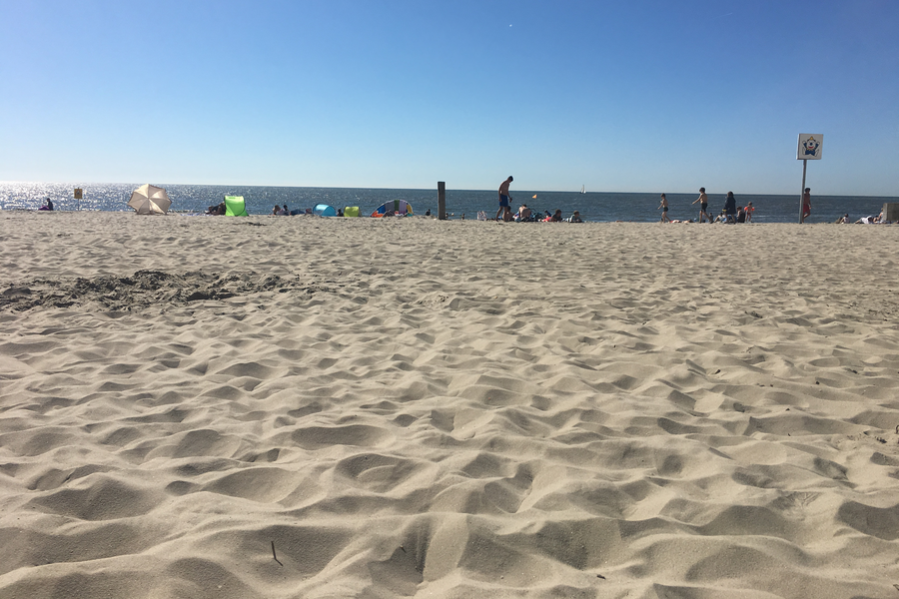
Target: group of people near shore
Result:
[525, 214]
[730, 213]
[865, 220]
[219, 210]
[284, 211]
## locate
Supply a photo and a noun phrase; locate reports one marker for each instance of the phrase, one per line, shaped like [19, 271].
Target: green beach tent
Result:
[235, 206]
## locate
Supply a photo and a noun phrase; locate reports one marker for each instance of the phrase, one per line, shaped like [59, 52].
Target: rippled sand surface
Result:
[301, 407]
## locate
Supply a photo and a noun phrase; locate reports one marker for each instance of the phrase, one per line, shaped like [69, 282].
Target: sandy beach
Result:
[274, 407]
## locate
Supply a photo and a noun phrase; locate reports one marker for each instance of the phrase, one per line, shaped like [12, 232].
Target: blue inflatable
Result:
[324, 210]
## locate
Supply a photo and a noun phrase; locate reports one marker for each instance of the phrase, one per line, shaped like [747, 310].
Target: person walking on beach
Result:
[730, 208]
[806, 204]
[504, 197]
[703, 205]
[664, 206]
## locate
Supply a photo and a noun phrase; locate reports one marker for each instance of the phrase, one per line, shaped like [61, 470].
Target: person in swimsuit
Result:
[524, 213]
[806, 204]
[664, 206]
[703, 205]
[504, 197]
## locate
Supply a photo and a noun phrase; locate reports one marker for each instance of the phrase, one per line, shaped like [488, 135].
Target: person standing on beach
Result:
[730, 208]
[504, 197]
[806, 204]
[664, 206]
[703, 205]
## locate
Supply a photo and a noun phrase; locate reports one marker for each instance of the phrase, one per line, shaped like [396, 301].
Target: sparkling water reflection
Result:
[596, 206]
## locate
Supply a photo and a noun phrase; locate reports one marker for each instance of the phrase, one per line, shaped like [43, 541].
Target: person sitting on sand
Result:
[48, 205]
[575, 218]
[285, 211]
[741, 215]
[216, 210]
[276, 211]
[556, 217]
[524, 213]
[842, 219]
[507, 214]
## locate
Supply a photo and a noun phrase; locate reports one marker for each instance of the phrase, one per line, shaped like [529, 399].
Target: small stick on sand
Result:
[274, 555]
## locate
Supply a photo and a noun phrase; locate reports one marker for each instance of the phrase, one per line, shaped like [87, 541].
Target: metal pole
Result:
[802, 191]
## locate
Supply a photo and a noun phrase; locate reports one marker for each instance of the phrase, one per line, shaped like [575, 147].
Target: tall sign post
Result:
[78, 193]
[809, 148]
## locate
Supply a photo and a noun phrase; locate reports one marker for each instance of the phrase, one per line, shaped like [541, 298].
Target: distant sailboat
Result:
[583, 189]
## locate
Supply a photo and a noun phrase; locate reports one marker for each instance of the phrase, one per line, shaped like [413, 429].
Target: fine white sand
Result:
[413, 408]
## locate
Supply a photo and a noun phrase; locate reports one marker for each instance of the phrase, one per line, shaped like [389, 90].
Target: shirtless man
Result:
[504, 197]
[806, 204]
[664, 207]
[703, 205]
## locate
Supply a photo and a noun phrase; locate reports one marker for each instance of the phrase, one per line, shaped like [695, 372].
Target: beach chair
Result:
[235, 206]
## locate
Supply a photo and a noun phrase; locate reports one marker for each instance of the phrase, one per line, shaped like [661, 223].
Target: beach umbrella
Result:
[148, 199]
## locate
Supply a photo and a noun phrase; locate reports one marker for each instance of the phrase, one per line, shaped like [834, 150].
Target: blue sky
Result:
[623, 96]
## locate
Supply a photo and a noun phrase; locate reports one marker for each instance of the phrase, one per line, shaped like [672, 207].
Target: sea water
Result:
[593, 206]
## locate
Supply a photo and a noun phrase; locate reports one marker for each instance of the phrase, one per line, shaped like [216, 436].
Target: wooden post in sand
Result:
[441, 200]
